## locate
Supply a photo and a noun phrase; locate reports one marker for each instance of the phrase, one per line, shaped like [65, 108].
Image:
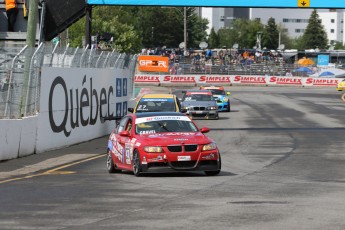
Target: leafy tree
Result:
[248, 30]
[315, 35]
[297, 43]
[284, 38]
[338, 45]
[270, 35]
[213, 39]
[228, 37]
[114, 20]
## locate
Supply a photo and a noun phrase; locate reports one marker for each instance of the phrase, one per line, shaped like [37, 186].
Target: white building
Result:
[294, 21]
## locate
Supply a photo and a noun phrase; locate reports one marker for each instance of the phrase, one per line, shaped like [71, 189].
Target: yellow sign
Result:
[303, 3]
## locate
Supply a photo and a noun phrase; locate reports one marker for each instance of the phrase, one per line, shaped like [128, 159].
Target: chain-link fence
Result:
[21, 72]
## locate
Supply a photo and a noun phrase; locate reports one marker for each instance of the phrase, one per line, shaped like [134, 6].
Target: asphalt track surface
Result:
[282, 168]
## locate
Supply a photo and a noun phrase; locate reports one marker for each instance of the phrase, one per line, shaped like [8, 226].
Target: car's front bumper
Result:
[203, 114]
[206, 161]
[223, 106]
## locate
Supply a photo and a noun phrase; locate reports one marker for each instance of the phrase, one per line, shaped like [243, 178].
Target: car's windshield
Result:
[218, 92]
[198, 97]
[156, 105]
[162, 124]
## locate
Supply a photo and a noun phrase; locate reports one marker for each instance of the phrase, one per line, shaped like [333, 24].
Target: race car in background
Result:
[161, 141]
[341, 85]
[200, 104]
[223, 100]
[157, 103]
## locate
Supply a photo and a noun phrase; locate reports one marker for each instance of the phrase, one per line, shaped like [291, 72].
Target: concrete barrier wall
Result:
[17, 137]
[72, 102]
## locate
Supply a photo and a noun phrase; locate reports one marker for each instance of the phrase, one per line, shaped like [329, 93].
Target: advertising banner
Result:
[153, 63]
[228, 3]
[73, 101]
[235, 80]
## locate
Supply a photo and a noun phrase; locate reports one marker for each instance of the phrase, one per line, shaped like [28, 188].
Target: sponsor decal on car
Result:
[160, 118]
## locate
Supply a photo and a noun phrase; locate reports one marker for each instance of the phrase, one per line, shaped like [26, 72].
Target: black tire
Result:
[110, 164]
[228, 110]
[136, 163]
[214, 173]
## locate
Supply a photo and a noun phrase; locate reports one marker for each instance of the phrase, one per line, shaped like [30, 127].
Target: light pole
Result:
[258, 40]
[185, 30]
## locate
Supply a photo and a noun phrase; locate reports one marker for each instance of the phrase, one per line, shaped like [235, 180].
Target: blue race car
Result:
[223, 100]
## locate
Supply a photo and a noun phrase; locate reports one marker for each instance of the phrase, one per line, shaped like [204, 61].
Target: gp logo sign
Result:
[153, 64]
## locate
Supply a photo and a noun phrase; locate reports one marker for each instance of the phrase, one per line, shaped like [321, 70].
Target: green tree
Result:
[247, 32]
[227, 37]
[270, 35]
[338, 45]
[213, 39]
[114, 20]
[315, 35]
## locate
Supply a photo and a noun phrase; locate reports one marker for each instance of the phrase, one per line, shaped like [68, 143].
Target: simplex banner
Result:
[235, 80]
[228, 3]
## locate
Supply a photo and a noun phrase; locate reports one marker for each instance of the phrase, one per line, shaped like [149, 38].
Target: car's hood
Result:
[173, 138]
[199, 103]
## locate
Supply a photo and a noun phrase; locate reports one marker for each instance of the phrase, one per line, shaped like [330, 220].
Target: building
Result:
[294, 21]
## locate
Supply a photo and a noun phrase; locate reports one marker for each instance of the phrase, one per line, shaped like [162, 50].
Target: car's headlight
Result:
[186, 107]
[225, 99]
[212, 108]
[208, 147]
[153, 149]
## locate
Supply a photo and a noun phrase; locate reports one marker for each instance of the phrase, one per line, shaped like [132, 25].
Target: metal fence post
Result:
[89, 61]
[51, 59]
[11, 76]
[82, 56]
[30, 70]
[98, 59]
[64, 54]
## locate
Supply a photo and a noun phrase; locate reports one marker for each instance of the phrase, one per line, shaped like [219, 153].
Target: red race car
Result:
[161, 141]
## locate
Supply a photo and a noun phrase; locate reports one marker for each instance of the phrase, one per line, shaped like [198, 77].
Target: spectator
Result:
[11, 12]
[288, 73]
[172, 70]
[208, 54]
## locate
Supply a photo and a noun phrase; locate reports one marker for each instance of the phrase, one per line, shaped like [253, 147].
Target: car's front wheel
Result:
[136, 163]
[216, 172]
[110, 164]
[228, 109]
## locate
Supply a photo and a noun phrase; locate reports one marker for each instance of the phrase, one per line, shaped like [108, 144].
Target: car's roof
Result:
[158, 95]
[198, 90]
[152, 114]
[212, 87]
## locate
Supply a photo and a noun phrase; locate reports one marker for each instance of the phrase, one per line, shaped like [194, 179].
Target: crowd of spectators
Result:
[222, 61]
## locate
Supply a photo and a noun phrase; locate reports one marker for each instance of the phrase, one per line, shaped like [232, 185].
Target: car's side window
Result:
[129, 125]
[178, 104]
[122, 124]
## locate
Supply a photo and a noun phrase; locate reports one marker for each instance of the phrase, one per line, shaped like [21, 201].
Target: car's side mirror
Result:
[131, 110]
[125, 133]
[228, 93]
[204, 130]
